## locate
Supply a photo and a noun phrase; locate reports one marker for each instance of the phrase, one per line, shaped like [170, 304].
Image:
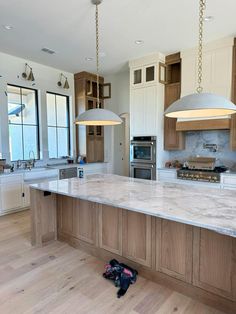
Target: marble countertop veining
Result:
[197, 206]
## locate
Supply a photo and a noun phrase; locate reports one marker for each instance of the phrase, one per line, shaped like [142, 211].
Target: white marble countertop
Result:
[197, 206]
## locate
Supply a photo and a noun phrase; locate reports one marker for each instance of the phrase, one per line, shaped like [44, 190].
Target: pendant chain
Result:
[202, 7]
[97, 54]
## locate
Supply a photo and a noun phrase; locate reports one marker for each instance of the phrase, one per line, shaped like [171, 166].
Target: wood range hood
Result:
[204, 124]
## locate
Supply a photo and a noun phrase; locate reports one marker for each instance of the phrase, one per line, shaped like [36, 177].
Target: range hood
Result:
[219, 123]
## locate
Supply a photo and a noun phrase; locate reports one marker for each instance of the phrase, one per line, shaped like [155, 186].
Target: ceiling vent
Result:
[49, 51]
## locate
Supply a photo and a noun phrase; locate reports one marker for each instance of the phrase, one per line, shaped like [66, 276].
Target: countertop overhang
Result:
[196, 206]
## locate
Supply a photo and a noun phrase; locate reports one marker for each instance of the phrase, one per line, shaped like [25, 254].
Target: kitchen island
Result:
[181, 236]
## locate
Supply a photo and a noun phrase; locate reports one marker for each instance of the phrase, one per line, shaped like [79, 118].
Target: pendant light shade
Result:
[98, 116]
[202, 105]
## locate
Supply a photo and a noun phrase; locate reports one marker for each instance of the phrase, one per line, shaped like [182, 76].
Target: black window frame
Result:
[22, 124]
[68, 122]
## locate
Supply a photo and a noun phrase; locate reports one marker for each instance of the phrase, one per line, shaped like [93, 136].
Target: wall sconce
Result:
[66, 84]
[29, 77]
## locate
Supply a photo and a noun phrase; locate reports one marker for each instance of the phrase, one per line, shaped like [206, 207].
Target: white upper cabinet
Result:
[217, 68]
[142, 76]
[143, 109]
[146, 96]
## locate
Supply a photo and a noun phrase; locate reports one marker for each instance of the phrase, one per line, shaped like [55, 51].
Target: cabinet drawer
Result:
[11, 178]
[229, 180]
[166, 175]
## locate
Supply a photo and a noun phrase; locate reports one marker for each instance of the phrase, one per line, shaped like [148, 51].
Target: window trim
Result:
[22, 124]
[68, 122]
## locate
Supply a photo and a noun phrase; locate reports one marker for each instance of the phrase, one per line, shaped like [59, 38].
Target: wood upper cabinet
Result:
[110, 229]
[214, 258]
[89, 139]
[233, 117]
[174, 249]
[173, 140]
[84, 220]
[137, 244]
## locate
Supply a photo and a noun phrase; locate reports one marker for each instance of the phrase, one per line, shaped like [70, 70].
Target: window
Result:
[23, 122]
[58, 125]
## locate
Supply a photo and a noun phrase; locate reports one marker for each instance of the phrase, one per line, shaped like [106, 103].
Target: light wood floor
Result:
[60, 279]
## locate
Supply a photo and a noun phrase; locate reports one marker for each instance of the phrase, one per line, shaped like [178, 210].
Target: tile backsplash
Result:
[194, 146]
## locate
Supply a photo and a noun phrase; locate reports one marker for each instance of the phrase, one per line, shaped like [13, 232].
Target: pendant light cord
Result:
[202, 7]
[97, 54]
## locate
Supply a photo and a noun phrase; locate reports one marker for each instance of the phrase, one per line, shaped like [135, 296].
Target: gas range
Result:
[212, 176]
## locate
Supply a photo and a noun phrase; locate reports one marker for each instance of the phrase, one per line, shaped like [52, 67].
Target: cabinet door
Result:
[149, 110]
[110, 229]
[214, 261]
[137, 244]
[137, 112]
[173, 140]
[84, 221]
[136, 77]
[65, 214]
[174, 249]
[26, 199]
[11, 196]
[150, 74]
[188, 75]
[221, 72]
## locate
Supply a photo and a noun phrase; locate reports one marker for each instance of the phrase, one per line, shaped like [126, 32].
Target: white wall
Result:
[46, 79]
[119, 103]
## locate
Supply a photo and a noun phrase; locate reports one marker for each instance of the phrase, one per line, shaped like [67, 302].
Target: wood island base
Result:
[194, 261]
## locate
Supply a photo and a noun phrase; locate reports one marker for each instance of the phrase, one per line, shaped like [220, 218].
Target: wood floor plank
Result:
[59, 279]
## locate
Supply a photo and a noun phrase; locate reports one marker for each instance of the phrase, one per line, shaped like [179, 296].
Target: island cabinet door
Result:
[110, 229]
[174, 249]
[137, 244]
[65, 214]
[84, 221]
[214, 263]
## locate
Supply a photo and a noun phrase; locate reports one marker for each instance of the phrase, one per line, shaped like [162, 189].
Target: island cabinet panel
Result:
[84, 221]
[65, 207]
[110, 229]
[43, 217]
[174, 249]
[137, 244]
[215, 263]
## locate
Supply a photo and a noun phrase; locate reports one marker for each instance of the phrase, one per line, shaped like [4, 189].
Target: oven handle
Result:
[139, 165]
[142, 143]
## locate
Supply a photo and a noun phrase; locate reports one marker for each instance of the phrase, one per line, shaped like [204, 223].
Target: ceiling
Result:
[68, 27]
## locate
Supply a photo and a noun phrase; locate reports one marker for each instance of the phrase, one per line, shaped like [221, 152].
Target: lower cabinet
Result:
[84, 221]
[11, 193]
[110, 229]
[214, 264]
[196, 256]
[65, 214]
[174, 249]
[77, 218]
[137, 244]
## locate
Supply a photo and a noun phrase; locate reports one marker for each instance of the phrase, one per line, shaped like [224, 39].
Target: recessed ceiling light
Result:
[48, 50]
[208, 18]
[89, 59]
[7, 27]
[138, 42]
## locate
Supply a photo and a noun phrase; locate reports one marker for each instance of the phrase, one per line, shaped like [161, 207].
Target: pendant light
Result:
[98, 116]
[200, 105]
